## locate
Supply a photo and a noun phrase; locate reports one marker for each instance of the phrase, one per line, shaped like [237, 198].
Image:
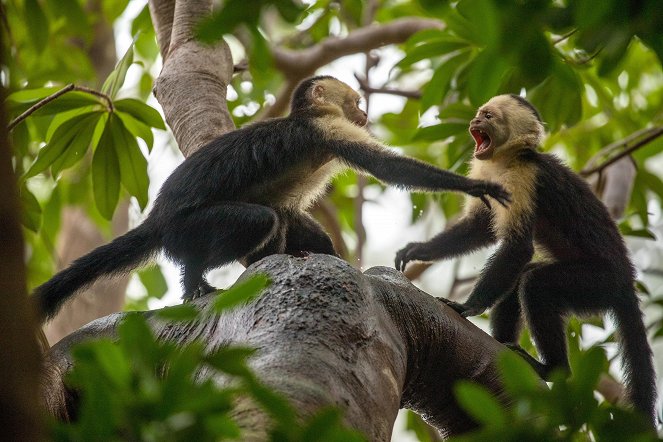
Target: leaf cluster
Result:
[567, 410]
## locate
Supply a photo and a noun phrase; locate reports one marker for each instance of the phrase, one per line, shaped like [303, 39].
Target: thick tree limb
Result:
[327, 334]
[192, 85]
[299, 64]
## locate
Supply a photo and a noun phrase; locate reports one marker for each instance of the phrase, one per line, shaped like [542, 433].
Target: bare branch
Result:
[648, 135]
[368, 89]
[299, 64]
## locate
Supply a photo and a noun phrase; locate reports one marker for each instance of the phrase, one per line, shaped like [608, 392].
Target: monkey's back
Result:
[571, 222]
[236, 164]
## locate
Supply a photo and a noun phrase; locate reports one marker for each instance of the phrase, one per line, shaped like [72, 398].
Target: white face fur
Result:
[504, 124]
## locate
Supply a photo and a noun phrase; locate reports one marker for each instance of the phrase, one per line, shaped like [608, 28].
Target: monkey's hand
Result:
[463, 309]
[414, 251]
[494, 190]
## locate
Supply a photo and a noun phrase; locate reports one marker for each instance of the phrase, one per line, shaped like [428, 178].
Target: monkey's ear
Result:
[318, 94]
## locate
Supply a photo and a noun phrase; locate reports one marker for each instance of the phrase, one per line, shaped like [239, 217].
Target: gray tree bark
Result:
[369, 343]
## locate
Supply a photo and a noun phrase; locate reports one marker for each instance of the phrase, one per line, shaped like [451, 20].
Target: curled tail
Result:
[121, 255]
[637, 363]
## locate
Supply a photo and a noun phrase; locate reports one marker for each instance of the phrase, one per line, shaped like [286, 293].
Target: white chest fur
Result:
[516, 177]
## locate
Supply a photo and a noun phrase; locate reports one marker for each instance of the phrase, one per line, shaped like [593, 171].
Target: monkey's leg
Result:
[306, 235]
[549, 292]
[208, 237]
[506, 317]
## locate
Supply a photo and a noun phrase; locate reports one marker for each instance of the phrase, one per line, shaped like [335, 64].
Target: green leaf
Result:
[518, 376]
[37, 22]
[231, 360]
[153, 281]
[179, 313]
[79, 144]
[132, 163]
[480, 404]
[482, 19]
[76, 17]
[137, 128]
[113, 9]
[432, 48]
[240, 293]
[116, 78]
[72, 131]
[439, 132]
[31, 209]
[106, 174]
[140, 111]
[439, 84]
[485, 76]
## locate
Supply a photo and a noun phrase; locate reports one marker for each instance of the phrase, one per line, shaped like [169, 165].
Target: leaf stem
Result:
[41, 103]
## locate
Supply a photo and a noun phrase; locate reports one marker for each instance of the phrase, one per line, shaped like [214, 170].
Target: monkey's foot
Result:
[203, 289]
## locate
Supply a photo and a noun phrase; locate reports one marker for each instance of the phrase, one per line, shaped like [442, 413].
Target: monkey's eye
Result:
[488, 115]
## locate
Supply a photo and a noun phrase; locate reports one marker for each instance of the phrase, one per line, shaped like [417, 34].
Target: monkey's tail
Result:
[121, 255]
[636, 356]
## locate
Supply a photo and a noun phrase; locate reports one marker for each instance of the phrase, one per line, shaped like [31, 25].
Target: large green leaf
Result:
[132, 163]
[432, 48]
[137, 128]
[79, 144]
[106, 174]
[439, 84]
[38, 24]
[485, 76]
[72, 132]
[116, 78]
[140, 111]
[440, 132]
[31, 209]
[480, 404]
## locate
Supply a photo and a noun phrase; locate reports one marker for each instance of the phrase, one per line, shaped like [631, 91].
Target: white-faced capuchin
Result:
[246, 194]
[581, 265]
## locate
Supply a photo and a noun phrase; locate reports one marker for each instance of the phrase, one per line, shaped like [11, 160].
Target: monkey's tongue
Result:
[481, 139]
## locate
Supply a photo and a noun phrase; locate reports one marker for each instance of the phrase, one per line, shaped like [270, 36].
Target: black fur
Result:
[590, 273]
[226, 201]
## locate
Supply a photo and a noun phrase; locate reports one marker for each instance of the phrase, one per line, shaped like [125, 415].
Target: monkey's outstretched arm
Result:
[412, 174]
[470, 233]
[498, 276]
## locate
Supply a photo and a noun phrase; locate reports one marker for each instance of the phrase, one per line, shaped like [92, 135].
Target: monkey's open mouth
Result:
[483, 142]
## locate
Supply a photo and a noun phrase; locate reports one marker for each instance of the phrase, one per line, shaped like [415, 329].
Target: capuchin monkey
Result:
[581, 266]
[246, 194]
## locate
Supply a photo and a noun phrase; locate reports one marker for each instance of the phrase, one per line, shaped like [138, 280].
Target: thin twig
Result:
[368, 89]
[64, 90]
[653, 133]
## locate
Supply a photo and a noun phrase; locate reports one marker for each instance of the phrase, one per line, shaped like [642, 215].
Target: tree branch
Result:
[648, 135]
[299, 64]
[192, 85]
[64, 90]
